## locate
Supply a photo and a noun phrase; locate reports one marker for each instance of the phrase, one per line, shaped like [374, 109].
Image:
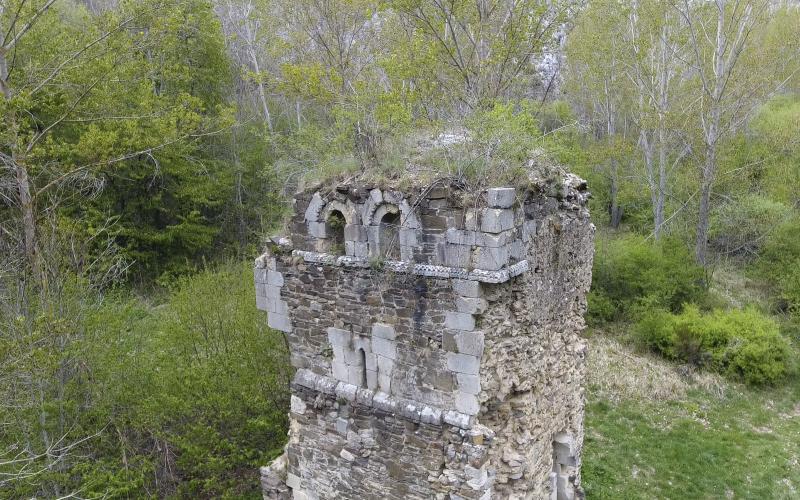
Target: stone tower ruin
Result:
[436, 337]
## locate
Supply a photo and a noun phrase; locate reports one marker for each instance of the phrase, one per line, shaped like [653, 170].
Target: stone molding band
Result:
[428, 270]
[412, 410]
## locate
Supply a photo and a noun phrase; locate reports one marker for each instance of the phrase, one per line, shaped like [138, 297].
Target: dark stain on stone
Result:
[421, 294]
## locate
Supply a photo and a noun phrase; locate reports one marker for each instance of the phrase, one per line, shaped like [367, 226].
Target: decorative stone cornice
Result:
[412, 410]
[428, 270]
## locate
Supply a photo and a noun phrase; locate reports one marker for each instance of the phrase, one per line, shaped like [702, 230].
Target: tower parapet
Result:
[435, 333]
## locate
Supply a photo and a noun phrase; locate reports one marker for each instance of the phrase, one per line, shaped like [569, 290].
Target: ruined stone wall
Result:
[533, 368]
[451, 368]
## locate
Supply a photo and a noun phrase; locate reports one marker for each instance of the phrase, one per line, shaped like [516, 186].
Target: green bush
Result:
[631, 274]
[779, 263]
[738, 227]
[185, 399]
[743, 344]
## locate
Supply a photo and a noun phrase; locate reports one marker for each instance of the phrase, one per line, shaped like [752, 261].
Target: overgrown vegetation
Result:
[144, 142]
[654, 431]
[187, 398]
[631, 275]
[742, 343]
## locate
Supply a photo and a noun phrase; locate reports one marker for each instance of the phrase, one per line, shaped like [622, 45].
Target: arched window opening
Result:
[363, 358]
[336, 223]
[389, 241]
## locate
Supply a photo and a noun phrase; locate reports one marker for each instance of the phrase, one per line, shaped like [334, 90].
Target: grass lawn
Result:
[651, 433]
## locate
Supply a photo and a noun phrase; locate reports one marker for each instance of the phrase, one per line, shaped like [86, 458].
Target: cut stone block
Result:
[355, 232]
[314, 208]
[383, 331]
[497, 240]
[385, 348]
[491, 259]
[272, 291]
[297, 405]
[384, 382]
[359, 249]
[274, 278]
[372, 379]
[467, 403]
[382, 400]
[385, 365]
[463, 363]
[516, 250]
[317, 229]
[340, 371]
[456, 419]
[459, 321]
[346, 391]
[339, 337]
[471, 220]
[500, 197]
[260, 275]
[341, 426]
[459, 237]
[430, 415]
[352, 357]
[496, 220]
[471, 305]
[292, 481]
[470, 343]
[279, 322]
[457, 255]
[355, 374]
[408, 237]
[467, 288]
[364, 396]
[469, 384]
[278, 306]
[406, 253]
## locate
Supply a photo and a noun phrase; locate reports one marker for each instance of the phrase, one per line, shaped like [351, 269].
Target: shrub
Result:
[630, 273]
[743, 344]
[601, 309]
[738, 227]
[182, 400]
[779, 263]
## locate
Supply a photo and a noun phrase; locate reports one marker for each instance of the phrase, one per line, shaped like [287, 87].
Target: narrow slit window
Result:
[336, 223]
[390, 236]
[363, 359]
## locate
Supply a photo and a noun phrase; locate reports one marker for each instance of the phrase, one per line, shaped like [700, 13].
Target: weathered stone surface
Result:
[279, 322]
[459, 321]
[466, 288]
[463, 363]
[449, 369]
[496, 220]
[500, 197]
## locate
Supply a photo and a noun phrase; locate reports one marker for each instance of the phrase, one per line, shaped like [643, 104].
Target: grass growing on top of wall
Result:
[694, 439]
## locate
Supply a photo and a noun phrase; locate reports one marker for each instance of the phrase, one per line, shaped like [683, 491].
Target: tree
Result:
[107, 120]
[733, 70]
[476, 52]
[626, 59]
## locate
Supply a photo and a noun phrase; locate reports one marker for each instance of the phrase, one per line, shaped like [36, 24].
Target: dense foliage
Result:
[143, 141]
[631, 275]
[131, 400]
[744, 344]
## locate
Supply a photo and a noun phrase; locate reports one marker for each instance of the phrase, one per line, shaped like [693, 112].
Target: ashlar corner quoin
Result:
[436, 337]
